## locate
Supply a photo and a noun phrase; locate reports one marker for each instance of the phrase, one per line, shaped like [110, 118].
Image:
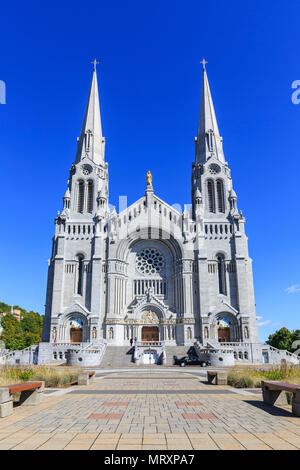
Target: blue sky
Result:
[150, 83]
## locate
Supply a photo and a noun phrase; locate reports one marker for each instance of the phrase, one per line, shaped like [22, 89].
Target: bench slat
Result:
[14, 388]
[281, 386]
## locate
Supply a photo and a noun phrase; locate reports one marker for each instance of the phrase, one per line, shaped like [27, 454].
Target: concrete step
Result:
[118, 356]
[178, 351]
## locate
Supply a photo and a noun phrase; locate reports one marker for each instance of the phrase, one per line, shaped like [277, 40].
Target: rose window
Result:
[214, 169]
[149, 261]
[86, 169]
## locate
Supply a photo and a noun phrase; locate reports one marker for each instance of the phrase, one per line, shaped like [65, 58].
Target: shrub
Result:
[53, 377]
[249, 378]
[26, 374]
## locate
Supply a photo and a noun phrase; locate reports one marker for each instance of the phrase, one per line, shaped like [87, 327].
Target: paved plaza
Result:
[159, 409]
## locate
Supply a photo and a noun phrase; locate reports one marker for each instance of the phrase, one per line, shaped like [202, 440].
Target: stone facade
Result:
[150, 272]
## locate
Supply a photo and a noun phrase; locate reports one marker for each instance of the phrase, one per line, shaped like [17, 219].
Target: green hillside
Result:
[20, 334]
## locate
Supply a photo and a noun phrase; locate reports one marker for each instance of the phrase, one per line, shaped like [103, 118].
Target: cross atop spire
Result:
[203, 62]
[95, 62]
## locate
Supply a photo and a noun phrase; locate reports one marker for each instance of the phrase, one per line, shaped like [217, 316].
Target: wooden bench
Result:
[31, 394]
[217, 377]
[274, 393]
[86, 377]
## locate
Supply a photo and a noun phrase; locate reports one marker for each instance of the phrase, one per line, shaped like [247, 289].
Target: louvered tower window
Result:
[210, 196]
[220, 196]
[80, 196]
[90, 196]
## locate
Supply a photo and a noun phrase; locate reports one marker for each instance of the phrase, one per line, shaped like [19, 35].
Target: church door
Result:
[224, 335]
[150, 333]
[76, 335]
[150, 357]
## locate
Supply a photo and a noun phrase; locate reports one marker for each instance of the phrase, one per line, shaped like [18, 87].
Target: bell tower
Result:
[225, 269]
[75, 286]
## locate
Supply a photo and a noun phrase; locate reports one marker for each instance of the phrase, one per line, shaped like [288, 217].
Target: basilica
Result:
[150, 272]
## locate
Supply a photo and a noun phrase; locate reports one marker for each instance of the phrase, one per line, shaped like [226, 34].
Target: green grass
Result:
[249, 378]
[53, 377]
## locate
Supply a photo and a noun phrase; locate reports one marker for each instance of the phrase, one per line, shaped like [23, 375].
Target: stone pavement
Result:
[164, 409]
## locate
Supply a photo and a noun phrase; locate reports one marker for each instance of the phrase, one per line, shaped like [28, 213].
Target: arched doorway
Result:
[150, 333]
[76, 329]
[75, 335]
[224, 326]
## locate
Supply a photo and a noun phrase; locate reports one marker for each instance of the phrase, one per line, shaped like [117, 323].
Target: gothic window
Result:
[90, 195]
[221, 274]
[149, 261]
[80, 196]
[80, 275]
[220, 196]
[210, 196]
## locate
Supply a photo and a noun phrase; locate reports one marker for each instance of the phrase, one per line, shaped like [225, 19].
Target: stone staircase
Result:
[118, 356]
[122, 356]
[178, 351]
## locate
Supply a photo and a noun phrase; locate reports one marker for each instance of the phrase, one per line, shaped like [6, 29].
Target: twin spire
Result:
[91, 143]
[209, 142]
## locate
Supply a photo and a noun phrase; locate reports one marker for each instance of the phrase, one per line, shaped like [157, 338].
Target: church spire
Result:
[91, 142]
[209, 142]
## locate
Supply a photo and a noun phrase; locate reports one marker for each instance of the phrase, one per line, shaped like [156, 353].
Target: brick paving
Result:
[142, 411]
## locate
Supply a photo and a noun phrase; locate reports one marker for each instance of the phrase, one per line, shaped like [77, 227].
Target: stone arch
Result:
[152, 304]
[124, 246]
[81, 253]
[73, 327]
[225, 327]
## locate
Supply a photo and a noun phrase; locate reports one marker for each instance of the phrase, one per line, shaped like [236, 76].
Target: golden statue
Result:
[149, 178]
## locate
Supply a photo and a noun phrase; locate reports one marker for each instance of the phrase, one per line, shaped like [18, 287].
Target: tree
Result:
[20, 334]
[12, 332]
[283, 338]
[32, 322]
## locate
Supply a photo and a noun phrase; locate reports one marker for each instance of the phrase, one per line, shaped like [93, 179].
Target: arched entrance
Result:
[76, 329]
[224, 335]
[75, 335]
[227, 328]
[150, 333]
